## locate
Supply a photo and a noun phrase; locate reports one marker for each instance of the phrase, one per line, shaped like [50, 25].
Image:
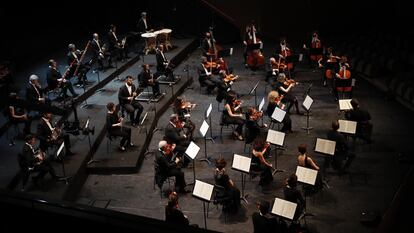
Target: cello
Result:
[316, 47]
[344, 74]
[255, 58]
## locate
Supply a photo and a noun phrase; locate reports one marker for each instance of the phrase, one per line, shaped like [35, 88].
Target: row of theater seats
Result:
[384, 59]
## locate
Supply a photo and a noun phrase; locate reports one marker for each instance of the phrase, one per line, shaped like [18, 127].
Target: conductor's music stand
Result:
[203, 191]
[242, 164]
[60, 155]
[307, 103]
[208, 115]
[191, 152]
[276, 138]
[203, 131]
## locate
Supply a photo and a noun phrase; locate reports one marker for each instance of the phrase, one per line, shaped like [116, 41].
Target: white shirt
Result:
[99, 46]
[74, 55]
[48, 124]
[31, 147]
[207, 72]
[37, 91]
[145, 23]
[116, 38]
[129, 88]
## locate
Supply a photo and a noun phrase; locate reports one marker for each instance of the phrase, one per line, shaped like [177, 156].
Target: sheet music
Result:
[254, 88]
[284, 208]
[210, 107]
[192, 150]
[241, 163]
[347, 126]
[278, 114]
[60, 149]
[275, 137]
[203, 190]
[143, 119]
[345, 104]
[306, 175]
[307, 103]
[261, 104]
[325, 146]
[203, 129]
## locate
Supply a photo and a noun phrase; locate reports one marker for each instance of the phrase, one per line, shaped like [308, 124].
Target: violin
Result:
[230, 78]
[187, 105]
[255, 115]
[287, 82]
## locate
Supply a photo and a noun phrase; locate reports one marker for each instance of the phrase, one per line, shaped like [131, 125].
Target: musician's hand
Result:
[304, 46]
[134, 94]
[42, 99]
[130, 98]
[244, 42]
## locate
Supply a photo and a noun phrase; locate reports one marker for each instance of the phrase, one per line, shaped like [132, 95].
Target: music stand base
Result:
[65, 179]
[211, 139]
[308, 129]
[206, 159]
[277, 171]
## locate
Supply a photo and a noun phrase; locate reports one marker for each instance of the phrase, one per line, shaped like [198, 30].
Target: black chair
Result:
[160, 179]
[25, 171]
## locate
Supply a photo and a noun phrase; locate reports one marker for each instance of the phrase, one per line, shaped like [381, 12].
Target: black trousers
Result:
[43, 168]
[123, 132]
[130, 108]
[179, 178]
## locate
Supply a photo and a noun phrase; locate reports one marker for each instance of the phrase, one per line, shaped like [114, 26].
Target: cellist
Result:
[315, 52]
[343, 77]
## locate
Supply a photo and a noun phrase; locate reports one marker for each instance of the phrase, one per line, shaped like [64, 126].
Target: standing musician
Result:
[74, 57]
[117, 44]
[114, 126]
[145, 78]
[252, 57]
[283, 86]
[175, 134]
[126, 97]
[315, 51]
[232, 115]
[50, 135]
[143, 25]
[275, 100]
[163, 64]
[183, 108]
[99, 52]
[54, 79]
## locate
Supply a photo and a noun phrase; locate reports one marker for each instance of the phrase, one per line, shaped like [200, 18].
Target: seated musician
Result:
[261, 150]
[277, 67]
[341, 149]
[292, 194]
[264, 222]
[114, 126]
[284, 86]
[145, 78]
[206, 77]
[17, 112]
[275, 100]
[167, 167]
[116, 44]
[34, 92]
[343, 81]
[285, 53]
[305, 160]
[330, 63]
[74, 60]
[100, 52]
[252, 127]
[207, 45]
[362, 117]
[173, 214]
[126, 97]
[231, 193]
[163, 64]
[232, 115]
[182, 109]
[50, 135]
[34, 160]
[55, 79]
[315, 49]
[175, 134]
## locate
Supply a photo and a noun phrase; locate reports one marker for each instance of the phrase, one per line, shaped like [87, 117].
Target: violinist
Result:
[315, 51]
[277, 66]
[182, 109]
[228, 79]
[175, 134]
[253, 57]
[74, 57]
[252, 127]
[55, 80]
[232, 115]
[284, 86]
[114, 126]
[275, 100]
[261, 150]
[206, 77]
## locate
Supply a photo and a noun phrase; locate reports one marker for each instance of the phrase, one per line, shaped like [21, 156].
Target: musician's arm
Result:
[231, 113]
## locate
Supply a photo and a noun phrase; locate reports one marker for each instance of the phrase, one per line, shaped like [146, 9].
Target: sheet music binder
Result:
[307, 103]
[345, 104]
[278, 114]
[306, 175]
[348, 127]
[261, 104]
[192, 150]
[203, 190]
[275, 137]
[325, 146]
[241, 163]
[284, 208]
[204, 128]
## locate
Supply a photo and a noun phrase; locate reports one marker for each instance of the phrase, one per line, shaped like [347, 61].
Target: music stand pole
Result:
[64, 178]
[205, 215]
[206, 158]
[307, 128]
[155, 114]
[276, 170]
[211, 138]
[255, 97]
[90, 151]
[243, 184]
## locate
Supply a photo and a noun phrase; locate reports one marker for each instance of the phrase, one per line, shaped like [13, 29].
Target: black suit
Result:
[175, 216]
[52, 76]
[82, 70]
[32, 96]
[114, 42]
[295, 196]
[341, 148]
[167, 168]
[97, 48]
[173, 135]
[124, 132]
[141, 26]
[206, 47]
[161, 60]
[207, 80]
[364, 126]
[44, 135]
[130, 105]
[144, 80]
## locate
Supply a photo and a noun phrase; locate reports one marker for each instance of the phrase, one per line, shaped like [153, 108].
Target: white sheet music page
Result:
[275, 137]
[348, 127]
[307, 103]
[306, 175]
[325, 146]
[203, 190]
[261, 104]
[345, 104]
[284, 208]
[241, 163]
[210, 107]
[204, 128]
[192, 150]
[278, 114]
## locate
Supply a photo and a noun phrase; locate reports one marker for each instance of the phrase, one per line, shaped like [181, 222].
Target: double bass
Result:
[286, 54]
[214, 49]
[255, 58]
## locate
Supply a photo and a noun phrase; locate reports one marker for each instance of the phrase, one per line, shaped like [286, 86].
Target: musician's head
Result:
[283, 41]
[30, 139]
[71, 47]
[292, 181]
[145, 67]
[144, 15]
[204, 59]
[221, 163]
[315, 34]
[160, 47]
[355, 103]
[34, 79]
[178, 102]
[258, 144]
[335, 125]
[128, 80]
[110, 106]
[281, 77]
[95, 36]
[162, 144]
[208, 35]
[330, 49]
[302, 148]
[272, 97]
[52, 63]
[263, 207]
[47, 115]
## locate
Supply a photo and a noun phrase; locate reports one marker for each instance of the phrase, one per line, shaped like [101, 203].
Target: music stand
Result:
[242, 164]
[203, 191]
[276, 138]
[255, 93]
[306, 176]
[327, 148]
[307, 103]
[345, 104]
[60, 155]
[283, 208]
[191, 152]
[203, 131]
[278, 115]
[208, 115]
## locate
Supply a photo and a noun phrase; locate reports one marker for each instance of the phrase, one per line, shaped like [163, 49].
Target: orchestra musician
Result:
[287, 55]
[275, 100]
[304, 160]
[284, 86]
[145, 78]
[74, 57]
[55, 79]
[115, 127]
[231, 195]
[341, 149]
[183, 108]
[363, 118]
[163, 64]
[167, 167]
[206, 77]
[343, 80]
[207, 45]
[143, 25]
[315, 50]
[100, 52]
[116, 44]
[173, 214]
[126, 97]
[34, 160]
[17, 113]
[34, 92]
[330, 62]
[232, 115]
[253, 58]
[260, 151]
[50, 135]
[174, 134]
[252, 126]
[292, 194]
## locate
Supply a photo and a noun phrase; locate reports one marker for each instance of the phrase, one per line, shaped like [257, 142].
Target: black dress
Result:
[266, 176]
[231, 194]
